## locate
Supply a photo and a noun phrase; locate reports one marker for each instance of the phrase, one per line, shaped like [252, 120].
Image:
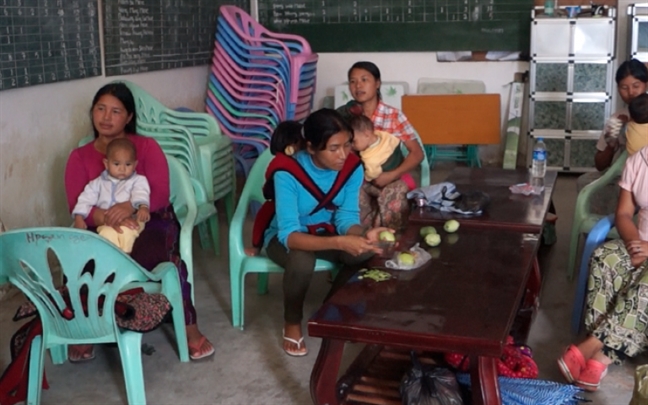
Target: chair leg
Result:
[58, 354]
[213, 230]
[203, 231]
[172, 290]
[573, 248]
[35, 382]
[262, 283]
[237, 282]
[230, 204]
[130, 344]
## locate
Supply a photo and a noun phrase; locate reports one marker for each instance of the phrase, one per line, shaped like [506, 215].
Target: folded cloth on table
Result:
[437, 195]
[445, 197]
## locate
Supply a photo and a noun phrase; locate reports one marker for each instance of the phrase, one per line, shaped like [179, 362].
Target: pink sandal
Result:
[590, 378]
[571, 364]
[197, 348]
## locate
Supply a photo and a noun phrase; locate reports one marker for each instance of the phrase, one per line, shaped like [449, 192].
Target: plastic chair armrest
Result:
[236, 245]
[160, 271]
[584, 197]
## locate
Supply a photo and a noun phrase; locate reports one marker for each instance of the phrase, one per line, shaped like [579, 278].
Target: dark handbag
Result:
[429, 385]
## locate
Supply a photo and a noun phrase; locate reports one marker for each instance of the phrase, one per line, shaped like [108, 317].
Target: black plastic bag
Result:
[429, 385]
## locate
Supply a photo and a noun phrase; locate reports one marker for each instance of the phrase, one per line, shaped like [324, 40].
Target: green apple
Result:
[451, 226]
[433, 239]
[426, 230]
[452, 238]
[386, 236]
[406, 259]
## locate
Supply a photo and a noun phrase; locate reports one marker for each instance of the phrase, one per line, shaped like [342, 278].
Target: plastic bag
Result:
[421, 256]
[640, 393]
[429, 385]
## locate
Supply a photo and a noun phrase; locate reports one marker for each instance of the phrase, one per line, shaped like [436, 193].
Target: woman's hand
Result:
[638, 250]
[373, 235]
[356, 245]
[129, 222]
[385, 178]
[115, 215]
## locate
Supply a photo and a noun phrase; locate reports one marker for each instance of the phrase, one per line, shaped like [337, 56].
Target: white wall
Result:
[40, 125]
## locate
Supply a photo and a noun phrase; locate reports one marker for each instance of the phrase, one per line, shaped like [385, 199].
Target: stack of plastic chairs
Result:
[257, 79]
[196, 141]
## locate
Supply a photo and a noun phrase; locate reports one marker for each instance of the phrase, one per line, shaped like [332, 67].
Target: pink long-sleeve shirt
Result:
[86, 163]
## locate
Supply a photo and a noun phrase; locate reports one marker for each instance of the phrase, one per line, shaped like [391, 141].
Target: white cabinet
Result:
[638, 35]
[571, 85]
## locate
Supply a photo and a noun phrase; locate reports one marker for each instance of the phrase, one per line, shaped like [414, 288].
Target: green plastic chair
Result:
[242, 263]
[584, 220]
[425, 164]
[207, 135]
[192, 208]
[174, 142]
[24, 261]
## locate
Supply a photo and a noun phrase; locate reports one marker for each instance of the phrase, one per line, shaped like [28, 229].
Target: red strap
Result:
[285, 163]
[262, 222]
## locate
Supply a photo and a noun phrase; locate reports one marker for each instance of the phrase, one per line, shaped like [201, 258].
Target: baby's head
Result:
[363, 132]
[638, 108]
[287, 138]
[121, 158]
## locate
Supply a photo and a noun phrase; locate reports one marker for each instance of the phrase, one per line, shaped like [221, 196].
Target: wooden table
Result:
[455, 302]
[505, 211]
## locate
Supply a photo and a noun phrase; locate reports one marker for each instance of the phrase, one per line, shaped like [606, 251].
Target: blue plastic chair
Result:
[24, 261]
[596, 236]
[241, 262]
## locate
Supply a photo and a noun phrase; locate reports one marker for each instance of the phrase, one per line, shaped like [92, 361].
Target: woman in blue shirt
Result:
[316, 222]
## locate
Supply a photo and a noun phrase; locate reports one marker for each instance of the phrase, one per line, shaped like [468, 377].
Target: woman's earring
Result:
[289, 151]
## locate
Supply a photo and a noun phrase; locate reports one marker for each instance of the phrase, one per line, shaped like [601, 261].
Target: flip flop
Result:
[299, 343]
[197, 347]
[82, 358]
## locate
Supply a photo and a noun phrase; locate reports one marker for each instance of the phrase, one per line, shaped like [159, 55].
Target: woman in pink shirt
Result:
[616, 312]
[113, 116]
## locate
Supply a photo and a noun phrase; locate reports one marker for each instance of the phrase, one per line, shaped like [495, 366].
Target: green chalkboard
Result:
[46, 41]
[147, 35]
[403, 25]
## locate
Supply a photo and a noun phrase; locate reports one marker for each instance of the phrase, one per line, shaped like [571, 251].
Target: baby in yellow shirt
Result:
[380, 152]
[637, 129]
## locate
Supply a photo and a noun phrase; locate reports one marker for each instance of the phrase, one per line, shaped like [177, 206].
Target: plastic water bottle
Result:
[539, 164]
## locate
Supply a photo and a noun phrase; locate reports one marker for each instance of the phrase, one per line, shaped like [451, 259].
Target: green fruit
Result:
[426, 230]
[433, 239]
[406, 259]
[451, 226]
[386, 236]
[452, 238]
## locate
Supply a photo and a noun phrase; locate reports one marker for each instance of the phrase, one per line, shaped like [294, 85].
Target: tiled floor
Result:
[249, 366]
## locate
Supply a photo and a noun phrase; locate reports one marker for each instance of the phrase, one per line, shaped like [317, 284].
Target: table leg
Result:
[534, 283]
[483, 381]
[324, 376]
